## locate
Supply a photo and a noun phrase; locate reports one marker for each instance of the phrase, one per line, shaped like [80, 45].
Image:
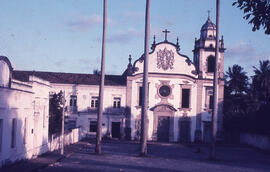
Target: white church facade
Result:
[180, 91]
[180, 95]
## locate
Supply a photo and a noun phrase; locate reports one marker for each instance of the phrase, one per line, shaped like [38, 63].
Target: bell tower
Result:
[204, 61]
[204, 51]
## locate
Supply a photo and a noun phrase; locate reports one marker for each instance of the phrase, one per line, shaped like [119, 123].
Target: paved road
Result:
[122, 156]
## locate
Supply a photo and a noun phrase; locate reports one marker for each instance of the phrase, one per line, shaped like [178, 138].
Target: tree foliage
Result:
[247, 105]
[257, 12]
[96, 72]
[261, 81]
[55, 113]
[238, 82]
[236, 88]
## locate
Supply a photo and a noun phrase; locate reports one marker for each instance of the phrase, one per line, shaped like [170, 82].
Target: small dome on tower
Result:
[208, 30]
[209, 25]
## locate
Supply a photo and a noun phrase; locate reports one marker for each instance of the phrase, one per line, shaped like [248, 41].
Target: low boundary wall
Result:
[255, 140]
[73, 136]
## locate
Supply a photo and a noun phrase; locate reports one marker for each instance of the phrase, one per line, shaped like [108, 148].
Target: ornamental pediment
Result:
[166, 59]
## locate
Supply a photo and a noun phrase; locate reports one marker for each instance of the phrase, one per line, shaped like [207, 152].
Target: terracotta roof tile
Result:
[70, 78]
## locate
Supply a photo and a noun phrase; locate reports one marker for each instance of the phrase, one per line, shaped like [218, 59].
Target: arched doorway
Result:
[163, 124]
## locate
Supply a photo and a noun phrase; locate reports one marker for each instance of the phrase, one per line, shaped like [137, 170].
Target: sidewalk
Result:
[43, 161]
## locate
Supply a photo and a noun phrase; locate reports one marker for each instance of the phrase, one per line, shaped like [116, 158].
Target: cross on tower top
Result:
[129, 59]
[166, 32]
[208, 14]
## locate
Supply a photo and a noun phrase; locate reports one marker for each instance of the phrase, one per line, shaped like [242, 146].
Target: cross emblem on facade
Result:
[166, 32]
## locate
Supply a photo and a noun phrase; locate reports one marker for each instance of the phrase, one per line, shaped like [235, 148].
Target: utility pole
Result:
[63, 101]
[215, 107]
[144, 117]
[101, 86]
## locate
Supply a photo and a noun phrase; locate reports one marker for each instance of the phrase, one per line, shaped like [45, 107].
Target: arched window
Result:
[211, 64]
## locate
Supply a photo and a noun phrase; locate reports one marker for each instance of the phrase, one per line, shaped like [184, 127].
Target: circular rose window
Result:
[164, 91]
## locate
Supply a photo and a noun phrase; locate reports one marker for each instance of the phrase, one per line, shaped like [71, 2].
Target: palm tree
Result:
[235, 97]
[237, 82]
[247, 108]
[261, 91]
[261, 81]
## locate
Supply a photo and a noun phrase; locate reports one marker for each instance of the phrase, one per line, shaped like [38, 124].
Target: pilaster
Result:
[198, 131]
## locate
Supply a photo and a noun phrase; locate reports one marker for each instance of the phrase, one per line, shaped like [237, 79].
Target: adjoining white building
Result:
[24, 108]
[81, 94]
[180, 96]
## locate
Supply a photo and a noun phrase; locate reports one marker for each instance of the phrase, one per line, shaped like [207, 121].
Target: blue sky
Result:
[65, 35]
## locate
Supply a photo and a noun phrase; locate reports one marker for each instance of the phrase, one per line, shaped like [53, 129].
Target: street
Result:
[123, 156]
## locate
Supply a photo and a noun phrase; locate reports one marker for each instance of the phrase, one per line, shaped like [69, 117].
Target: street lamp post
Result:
[215, 93]
[144, 117]
[102, 77]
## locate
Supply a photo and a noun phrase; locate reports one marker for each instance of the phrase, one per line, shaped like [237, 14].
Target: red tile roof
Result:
[70, 78]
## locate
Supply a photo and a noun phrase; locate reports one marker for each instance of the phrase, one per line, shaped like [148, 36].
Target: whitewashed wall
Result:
[84, 94]
[74, 136]
[175, 83]
[28, 103]
[15, 105]
[181, 74]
